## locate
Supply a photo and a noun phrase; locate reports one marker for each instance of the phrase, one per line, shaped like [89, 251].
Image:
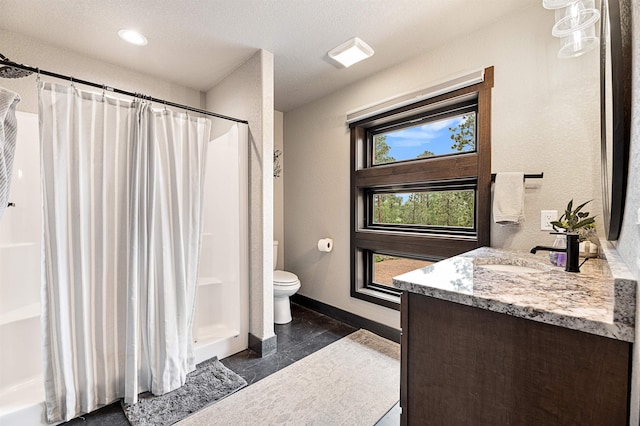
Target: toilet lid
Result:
[284, 277]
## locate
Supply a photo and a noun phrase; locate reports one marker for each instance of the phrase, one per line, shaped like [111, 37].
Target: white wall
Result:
[545, 118]
[278, 190]
[39, 54]
[247, 93]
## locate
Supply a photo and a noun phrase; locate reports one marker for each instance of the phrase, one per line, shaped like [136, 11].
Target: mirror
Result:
[615, 110]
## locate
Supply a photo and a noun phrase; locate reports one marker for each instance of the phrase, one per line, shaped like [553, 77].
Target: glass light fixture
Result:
[575, 17]
[350, 52]
[578, 43]
[575, 25]
[133, 37]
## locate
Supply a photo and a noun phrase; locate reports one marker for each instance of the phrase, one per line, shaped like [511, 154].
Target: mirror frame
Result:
[615, 77]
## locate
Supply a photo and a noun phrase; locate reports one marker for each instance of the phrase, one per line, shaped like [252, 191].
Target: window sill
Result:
[377, 297]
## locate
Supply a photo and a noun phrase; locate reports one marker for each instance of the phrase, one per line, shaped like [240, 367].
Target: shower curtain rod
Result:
[120, 91]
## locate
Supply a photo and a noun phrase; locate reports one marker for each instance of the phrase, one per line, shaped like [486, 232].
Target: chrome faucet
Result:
[572, 250]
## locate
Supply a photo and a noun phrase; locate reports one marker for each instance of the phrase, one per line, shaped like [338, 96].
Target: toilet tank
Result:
[275, 254]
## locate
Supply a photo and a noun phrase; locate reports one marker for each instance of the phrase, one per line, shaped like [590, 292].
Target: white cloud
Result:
[443, 124]
[422, 135]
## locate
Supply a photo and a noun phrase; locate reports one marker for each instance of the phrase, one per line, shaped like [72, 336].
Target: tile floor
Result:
[308, 332]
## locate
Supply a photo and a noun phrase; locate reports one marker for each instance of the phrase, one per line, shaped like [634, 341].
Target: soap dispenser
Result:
[559, 258]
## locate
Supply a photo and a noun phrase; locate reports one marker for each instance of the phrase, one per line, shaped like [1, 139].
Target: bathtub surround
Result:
[123, 203]
[220, 323]
[8, 134]
[209, 383]
[353, 381]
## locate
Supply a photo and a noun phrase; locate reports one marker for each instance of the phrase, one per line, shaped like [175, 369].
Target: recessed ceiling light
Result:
[350, 52]
[133, 37]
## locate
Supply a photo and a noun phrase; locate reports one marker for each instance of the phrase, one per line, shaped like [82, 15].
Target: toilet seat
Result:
[284, 278]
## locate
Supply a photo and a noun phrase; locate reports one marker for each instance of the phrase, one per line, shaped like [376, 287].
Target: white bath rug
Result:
[353, 381]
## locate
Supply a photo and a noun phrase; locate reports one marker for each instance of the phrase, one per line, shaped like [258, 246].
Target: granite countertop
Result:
[593, 300]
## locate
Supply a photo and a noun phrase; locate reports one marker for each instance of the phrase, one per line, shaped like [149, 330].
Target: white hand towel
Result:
[8, 133]
[508, 198]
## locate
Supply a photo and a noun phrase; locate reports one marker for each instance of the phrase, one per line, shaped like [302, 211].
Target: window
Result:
[429, 138]
[434, 208]
[420, 187]
[385, 267]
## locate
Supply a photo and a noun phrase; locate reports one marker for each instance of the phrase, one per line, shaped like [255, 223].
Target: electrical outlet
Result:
[546, 217]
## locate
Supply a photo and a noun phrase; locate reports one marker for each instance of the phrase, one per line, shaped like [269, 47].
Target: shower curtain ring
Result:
[37, 75]
[72, 85]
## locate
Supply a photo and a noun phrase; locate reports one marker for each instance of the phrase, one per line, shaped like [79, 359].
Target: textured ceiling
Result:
[196, 43]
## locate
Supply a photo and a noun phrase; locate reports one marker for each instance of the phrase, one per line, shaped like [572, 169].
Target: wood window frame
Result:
[467, 165]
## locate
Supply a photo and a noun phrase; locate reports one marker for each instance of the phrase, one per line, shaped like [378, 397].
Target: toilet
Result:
[285, 284]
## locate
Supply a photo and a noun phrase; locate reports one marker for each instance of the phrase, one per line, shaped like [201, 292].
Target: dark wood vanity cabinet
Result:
[463, 365]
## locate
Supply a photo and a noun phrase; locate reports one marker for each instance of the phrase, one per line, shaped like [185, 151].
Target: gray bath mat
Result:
[210, 382]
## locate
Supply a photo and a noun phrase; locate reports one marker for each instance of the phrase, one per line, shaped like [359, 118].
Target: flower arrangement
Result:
[575, 220]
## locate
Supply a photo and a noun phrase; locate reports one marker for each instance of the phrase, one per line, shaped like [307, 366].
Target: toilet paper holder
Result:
[325, 245]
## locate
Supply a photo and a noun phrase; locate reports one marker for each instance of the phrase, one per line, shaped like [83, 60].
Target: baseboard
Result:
[348, 317]
[263, 347]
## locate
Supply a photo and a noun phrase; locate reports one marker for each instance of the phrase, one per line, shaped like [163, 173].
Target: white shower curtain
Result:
[122, 216]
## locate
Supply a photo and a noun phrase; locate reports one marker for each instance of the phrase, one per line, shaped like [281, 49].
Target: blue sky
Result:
[411, 142]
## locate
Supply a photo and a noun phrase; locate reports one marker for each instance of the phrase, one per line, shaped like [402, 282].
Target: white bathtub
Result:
[21, 379]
